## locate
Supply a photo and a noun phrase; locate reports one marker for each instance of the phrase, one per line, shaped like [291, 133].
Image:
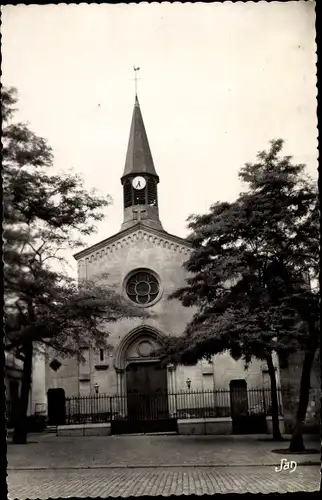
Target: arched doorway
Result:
[143, 384]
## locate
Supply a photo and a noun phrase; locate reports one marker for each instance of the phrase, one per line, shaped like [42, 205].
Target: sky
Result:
[217, 83]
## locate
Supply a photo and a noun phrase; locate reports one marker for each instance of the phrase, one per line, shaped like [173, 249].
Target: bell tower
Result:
[139, 179]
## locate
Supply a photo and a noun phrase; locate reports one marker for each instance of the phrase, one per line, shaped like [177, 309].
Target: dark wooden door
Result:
[239, 406]
[13, 403]
[238, 398]
[56, 407]
[146, 391]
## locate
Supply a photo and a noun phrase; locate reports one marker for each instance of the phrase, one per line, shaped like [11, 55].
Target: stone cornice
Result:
[136, 233]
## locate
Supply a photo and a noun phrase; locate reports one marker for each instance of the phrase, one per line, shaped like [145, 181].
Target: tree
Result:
[249, 269]
[295, 267]
[45, 213]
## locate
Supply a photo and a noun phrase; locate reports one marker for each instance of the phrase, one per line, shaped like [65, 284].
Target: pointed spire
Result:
[136, 69]
[139, 158]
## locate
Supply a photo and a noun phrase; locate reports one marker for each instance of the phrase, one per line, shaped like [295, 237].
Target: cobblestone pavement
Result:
[159, 481]
[51, 452]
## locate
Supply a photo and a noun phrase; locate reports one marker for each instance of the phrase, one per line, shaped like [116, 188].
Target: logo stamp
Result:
[286, 465]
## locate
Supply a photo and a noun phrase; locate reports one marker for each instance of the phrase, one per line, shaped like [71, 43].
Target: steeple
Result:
[139, 178]
[138, 158]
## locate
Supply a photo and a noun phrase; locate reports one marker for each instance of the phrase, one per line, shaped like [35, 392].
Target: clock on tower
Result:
[139, 183]
[139, 179]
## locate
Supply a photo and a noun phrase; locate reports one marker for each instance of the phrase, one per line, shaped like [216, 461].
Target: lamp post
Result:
[96, 401]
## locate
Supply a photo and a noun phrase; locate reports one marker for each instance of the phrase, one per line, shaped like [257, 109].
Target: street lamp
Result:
[188, 382]
[96, 387]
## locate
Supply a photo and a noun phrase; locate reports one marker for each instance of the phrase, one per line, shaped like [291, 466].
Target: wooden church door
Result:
[239, 405]
[146, 391]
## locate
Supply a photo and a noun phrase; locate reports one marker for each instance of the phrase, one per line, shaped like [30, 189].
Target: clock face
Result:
[139, 182]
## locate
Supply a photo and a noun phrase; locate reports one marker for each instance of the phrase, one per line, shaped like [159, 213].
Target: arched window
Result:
[127, 193]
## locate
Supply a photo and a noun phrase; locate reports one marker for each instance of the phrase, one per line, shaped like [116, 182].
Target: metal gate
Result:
[144, 414]
[243, 421]
[145, 407]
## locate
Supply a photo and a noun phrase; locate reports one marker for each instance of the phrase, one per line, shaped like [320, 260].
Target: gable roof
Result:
[140, 226]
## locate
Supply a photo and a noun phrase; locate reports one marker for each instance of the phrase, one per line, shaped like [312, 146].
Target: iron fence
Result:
[102, 408]
[8, 413]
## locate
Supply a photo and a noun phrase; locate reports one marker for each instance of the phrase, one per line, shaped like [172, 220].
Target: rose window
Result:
[142, 288]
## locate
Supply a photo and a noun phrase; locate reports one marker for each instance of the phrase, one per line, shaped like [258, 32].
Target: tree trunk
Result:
[297, 443]
[277, 436]
[20, 425]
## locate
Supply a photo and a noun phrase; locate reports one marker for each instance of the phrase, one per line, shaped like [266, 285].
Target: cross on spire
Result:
[136, 69]
[138, 211]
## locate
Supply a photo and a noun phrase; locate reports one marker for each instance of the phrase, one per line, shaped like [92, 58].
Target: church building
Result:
[144, 263]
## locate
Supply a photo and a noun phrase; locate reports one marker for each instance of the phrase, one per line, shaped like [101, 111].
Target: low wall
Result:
[84, 430]
[220, 426]
[270, 425]
[192, 426]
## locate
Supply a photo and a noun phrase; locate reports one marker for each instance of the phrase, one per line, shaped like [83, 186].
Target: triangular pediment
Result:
[134, 234]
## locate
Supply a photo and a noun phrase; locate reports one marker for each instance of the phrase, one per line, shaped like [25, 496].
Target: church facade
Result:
[144, 263]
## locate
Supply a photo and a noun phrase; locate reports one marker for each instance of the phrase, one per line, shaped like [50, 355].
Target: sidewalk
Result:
[158, 481]
[48, 452]
[136, 465]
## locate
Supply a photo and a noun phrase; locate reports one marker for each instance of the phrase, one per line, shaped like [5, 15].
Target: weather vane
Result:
[136, 69]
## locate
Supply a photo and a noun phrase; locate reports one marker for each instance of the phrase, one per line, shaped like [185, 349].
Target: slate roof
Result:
[138, 158]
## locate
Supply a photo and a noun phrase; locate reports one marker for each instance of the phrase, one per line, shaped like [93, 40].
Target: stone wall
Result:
[138, 250]
[38, 388]
[227, 369]
[66, 377]
[110, 265]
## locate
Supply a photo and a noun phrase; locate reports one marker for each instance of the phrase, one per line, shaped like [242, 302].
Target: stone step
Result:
[169, 433]
[51, 429]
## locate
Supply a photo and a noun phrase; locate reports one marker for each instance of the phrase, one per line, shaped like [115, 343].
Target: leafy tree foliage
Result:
[45, 213]
[252, 270]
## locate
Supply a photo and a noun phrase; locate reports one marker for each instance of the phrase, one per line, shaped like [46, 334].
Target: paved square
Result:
[50, 466]
[159, 481]
[49, 451]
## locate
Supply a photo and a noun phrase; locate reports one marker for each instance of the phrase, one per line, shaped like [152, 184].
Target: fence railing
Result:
[181, 405]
